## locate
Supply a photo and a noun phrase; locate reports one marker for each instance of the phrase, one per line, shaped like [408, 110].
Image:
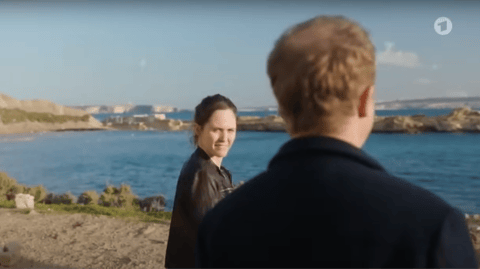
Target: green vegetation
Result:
[17, 115]
[122, 203]
[89, 198]
[39, 192]
[121, 197]
[6, 183]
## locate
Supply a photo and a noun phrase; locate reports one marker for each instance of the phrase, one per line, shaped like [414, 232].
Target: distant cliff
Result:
[444, 102]
[39, 115]
[119, 109]
[459, 120]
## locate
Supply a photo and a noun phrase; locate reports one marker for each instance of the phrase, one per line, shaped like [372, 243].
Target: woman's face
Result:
[218, 133]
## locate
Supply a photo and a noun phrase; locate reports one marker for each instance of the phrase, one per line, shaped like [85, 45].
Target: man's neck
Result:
[347, 134]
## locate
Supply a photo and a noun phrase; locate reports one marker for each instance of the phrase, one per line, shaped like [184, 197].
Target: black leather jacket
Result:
[201, 185]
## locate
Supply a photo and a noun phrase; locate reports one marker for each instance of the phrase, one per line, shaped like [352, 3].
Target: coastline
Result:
[460, 120]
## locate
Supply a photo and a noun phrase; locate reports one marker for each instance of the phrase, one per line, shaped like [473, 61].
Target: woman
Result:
[203, 181]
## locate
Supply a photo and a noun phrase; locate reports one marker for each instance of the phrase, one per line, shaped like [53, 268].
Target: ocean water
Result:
[150, 161]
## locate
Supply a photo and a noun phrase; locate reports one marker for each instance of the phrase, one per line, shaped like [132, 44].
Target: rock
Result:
[273, 119]
[152, 204]
[459, 114]
[448, 126]
[476, 217]
[397, 124]
[242, 119]
[10, 254]
[33, 212]
[24, 201]
[467, 216]
[175, 125]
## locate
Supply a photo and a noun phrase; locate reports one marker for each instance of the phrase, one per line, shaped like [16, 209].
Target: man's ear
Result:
[364, 101]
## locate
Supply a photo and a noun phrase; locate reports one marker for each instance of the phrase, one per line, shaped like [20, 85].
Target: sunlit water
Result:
[150, 162]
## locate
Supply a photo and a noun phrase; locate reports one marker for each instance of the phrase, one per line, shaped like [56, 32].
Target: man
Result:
[323, 202]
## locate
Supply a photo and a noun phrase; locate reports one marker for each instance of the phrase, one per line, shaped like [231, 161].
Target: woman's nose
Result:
[223, 135]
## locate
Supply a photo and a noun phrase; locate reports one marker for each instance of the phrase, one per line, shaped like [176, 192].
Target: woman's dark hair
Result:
[207, 107]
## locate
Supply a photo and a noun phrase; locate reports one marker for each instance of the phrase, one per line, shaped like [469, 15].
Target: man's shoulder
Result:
[376, 189]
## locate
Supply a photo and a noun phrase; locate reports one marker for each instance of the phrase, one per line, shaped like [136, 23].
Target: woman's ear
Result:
[197, 128]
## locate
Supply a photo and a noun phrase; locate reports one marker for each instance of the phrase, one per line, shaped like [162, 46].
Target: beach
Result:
[83, 241]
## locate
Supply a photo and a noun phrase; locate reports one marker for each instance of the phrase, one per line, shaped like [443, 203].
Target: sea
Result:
[150, 161]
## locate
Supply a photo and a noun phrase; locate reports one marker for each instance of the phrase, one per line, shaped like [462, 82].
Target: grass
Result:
[131, 214]
[17, 115]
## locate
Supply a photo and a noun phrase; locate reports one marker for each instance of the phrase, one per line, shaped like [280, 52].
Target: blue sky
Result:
[87, 53]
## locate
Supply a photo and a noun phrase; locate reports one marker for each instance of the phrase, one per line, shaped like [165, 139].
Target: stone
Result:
[476, 217]
[467, 216]
[10, 254]
[33, 212]
[24, 201]
[151, 204]
[397, 124]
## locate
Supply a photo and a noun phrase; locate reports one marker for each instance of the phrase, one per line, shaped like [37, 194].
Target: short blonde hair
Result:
[317, 70]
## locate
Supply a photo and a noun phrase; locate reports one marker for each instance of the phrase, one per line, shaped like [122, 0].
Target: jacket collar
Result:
[323, 144]
[204, 156]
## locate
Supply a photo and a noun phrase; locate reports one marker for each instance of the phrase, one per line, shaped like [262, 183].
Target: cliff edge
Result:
[30, 116]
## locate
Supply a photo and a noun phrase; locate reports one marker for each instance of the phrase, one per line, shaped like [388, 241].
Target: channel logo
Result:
[443, 26]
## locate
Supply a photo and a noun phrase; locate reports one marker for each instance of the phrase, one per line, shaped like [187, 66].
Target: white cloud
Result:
[142, 63]
[457, 94]
[435, 66]
[423, 81]
[398, 58]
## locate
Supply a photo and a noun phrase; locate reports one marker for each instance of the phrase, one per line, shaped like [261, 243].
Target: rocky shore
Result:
[459, 120]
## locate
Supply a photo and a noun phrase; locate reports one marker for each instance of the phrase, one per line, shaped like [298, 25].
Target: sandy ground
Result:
[86, 241]
[83, 241]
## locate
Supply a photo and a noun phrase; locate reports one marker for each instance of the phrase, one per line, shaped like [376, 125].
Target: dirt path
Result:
[83, 241]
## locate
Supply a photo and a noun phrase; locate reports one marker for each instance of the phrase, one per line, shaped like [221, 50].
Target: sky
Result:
[177, 53]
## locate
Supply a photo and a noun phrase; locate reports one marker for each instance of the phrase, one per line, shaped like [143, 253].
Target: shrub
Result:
[67, 198]
[88, 198]
[110, 190]
[12, 191]
[6, 183]
[118, 197]
[125, 189]
[39, 193]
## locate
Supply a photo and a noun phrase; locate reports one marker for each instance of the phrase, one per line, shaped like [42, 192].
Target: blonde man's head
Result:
[318, 70]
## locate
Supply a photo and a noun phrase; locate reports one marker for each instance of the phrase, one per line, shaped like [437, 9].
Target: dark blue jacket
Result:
[324, 203]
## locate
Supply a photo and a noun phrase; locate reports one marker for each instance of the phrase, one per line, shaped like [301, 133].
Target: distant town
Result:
[430, 103]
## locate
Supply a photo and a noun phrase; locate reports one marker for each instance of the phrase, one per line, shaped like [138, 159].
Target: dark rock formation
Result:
[152, 204]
